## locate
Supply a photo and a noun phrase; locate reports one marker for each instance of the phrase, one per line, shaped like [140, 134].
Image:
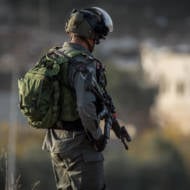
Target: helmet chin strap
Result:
[90, 46]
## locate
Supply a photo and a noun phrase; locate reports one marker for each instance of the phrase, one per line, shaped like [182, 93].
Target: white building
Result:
[171, 72]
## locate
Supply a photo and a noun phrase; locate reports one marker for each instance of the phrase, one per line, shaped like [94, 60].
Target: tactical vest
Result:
[68, 98]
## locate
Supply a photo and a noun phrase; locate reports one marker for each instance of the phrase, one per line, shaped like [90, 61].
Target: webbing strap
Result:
[69, 55]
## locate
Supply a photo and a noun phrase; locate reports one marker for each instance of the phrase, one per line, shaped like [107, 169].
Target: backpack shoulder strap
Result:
[68, 55]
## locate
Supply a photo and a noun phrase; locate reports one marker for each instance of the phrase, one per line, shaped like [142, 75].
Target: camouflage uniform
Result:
[76, 163]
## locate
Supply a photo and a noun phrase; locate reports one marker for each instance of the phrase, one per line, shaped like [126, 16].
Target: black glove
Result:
[100, 144]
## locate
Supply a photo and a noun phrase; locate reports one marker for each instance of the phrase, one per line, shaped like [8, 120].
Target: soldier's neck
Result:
[85, 43]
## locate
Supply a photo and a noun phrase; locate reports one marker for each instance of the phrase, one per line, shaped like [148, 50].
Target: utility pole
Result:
[11, 157]
[13, 121]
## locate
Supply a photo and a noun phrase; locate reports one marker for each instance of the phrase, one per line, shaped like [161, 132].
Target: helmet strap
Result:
[90, 46]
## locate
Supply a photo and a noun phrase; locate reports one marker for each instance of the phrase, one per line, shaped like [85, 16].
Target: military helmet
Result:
[94, 23]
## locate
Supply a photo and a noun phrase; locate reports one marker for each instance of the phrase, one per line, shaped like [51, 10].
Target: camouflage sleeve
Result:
[86, 99]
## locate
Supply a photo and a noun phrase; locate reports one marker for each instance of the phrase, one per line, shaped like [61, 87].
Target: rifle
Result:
[109, 114]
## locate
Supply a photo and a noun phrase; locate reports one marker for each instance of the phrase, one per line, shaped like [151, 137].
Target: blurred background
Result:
[148, 67]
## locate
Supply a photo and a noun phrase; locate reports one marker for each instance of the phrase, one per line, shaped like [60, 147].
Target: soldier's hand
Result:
[100, 144]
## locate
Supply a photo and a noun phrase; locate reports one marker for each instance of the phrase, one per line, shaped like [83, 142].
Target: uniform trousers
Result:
[78, 166]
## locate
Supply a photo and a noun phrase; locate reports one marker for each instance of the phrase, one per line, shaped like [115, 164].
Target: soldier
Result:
[76, 148]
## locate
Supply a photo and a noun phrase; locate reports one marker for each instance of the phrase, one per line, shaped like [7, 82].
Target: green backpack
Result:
[40, 90]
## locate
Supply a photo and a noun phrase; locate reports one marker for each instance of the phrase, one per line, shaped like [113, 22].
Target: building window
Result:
[180, 88]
